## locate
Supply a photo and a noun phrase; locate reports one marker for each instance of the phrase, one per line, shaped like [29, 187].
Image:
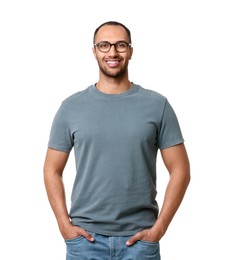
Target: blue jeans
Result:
[110, 248]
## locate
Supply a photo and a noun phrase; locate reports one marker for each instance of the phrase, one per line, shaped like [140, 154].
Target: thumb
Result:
[85, 234]
[133, 239]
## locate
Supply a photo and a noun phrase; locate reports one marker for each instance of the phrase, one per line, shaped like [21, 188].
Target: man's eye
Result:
[104, 45]
[122, 45]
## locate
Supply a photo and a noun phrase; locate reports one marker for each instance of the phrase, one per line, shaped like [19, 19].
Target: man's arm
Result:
[54, 165]
[177, 163]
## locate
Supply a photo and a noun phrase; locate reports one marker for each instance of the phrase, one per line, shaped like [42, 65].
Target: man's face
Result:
[113, 63]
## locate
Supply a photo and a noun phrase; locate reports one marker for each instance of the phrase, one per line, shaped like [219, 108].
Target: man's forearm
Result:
[56, 195]
[174, 195]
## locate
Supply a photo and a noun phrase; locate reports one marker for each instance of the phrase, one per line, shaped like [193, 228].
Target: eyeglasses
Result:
[120, 46]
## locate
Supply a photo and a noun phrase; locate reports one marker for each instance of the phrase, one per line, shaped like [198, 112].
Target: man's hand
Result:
[71, 232]
[145, 235]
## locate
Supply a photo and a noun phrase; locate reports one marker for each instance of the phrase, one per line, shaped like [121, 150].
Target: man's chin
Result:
[113, 73]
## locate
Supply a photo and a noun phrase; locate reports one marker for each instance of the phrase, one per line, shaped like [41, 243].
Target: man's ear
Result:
[131, 53]
[94, 52]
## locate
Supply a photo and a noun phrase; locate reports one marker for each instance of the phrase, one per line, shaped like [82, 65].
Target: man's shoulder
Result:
[77, 96]
[152, 94]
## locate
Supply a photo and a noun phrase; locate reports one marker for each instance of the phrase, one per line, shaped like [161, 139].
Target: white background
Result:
[182, 49]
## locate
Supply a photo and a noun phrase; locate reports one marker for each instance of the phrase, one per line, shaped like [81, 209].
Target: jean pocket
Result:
[148, 250]
[148, 242]
[75, 239]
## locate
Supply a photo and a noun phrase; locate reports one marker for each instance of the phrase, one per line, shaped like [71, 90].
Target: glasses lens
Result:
[121, 46]
[104, 46]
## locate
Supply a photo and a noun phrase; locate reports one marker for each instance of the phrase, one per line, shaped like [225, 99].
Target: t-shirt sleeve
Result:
[170, 132]
[60, 134]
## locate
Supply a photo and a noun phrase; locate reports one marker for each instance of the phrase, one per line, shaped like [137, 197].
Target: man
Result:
[116, 129]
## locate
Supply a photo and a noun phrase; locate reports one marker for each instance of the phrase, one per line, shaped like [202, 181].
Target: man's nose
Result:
[113, 49]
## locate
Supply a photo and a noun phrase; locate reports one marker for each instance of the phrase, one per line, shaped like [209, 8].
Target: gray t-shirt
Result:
[115, 138]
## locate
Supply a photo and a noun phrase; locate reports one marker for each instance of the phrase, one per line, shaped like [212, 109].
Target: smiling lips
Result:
[112, 63]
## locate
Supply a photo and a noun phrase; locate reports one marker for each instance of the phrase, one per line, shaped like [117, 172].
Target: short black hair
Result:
[113, 23]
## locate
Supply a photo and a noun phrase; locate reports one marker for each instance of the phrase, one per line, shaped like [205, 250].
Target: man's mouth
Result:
[112, 63]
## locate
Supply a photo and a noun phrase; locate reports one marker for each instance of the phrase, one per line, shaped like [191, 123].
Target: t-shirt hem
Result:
[58, 148]
[173, 143]
[108, 233]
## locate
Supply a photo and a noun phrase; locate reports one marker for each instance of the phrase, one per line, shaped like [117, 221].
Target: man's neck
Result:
[113, 86]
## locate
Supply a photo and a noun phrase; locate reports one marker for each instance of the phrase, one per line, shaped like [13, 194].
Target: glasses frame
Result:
[112, 44]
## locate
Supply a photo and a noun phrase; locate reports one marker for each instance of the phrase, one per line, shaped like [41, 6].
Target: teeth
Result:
[112, 62]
